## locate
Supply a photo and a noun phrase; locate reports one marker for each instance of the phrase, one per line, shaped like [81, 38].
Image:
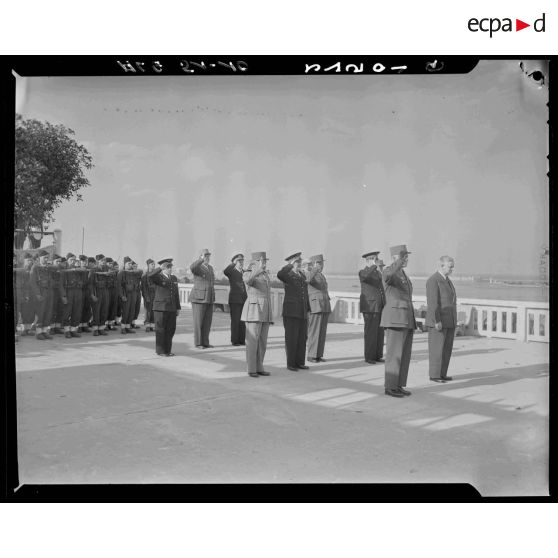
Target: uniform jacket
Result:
[257, 307]
[39, 280]
[441, 302]
[56, 279]
[372, 293]
[147, 287]
[97, 280]
[204, 283]
[127, 282]
[73, 278]
[295, 303]
[317, 292]
[22, 284]
[237, 292]
[167, 298]
[398, 311]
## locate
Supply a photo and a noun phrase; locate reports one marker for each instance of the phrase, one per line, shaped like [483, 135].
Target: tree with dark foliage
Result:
[49, 168]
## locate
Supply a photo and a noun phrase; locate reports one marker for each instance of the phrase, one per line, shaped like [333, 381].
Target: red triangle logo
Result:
[519, 25]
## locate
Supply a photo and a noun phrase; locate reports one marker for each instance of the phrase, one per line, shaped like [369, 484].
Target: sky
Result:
[332, 165]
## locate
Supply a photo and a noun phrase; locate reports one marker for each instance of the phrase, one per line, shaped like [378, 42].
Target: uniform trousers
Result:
[129, 307]
[101, 307]
[317, 328]
[113, 305]
[27, 311]
[373, 336]
[44, 310]
[149, 317]
[440, 345]
[256, 345]
[203, 316]
[165, 326]
[296, 333]
[399, 343]
[72, 311]
[57, 307]
[238, 327]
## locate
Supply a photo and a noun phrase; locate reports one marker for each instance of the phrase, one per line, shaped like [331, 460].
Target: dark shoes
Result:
[95, 332]
[169, 354]
[208, 346]
[130, 330]
[264, 373]
[393, 392]
[380, 360]
[370, 361]
[302, 367]
[40, 336]
[236, 344]
[447, 378]
[68, 334]
[313, 359]
[253, 374]
[75, 334]
[292, 368]
[103, 332]
[200, 347]
[404, 391]
[86, 329]
[438, 380]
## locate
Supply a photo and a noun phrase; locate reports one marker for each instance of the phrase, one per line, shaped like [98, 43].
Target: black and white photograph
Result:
[324, 276]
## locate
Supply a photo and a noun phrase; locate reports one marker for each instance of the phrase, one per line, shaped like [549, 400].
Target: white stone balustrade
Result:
[523, 321]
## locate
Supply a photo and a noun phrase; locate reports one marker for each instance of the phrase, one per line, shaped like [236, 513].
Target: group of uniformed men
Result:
[75, 292]
[78, 294]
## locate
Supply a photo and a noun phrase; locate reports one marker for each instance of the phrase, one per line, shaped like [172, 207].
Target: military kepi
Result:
[43, 253]
[375, 253]
[256, 256]
[317, 258]
[99, 257]
[399, 249]
[165, 261]
[149, 261]
[292, 256]
[236, 256]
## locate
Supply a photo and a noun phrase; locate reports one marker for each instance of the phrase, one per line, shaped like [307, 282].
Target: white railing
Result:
[523, 321]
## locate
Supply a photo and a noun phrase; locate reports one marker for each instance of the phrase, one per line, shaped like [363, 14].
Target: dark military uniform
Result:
[372, 301]
[24, 299]
[114, 292]
[237, 298]
[57, 294]
[127, 280]
[100, 298]
[166, 302]
[39, 281]
[87, 311]
[295, 310]
[148, 293]
[138, 273]
[73, 282]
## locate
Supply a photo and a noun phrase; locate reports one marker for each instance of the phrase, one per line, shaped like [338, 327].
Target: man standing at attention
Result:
[237, 297]
[320, 308]
[372, 301]
[441, 319]
[295, 311]
[202, 298]
[257, 313]
[398, 317]
[148, 292]
[166, 306]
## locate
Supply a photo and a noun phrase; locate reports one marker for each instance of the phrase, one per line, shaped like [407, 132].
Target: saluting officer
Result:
[295, 311]
[40, 287]
[126, 283]
[320, 308]
[257, 313]
[166, 306]
[237, 297]
[398, 317]
[372, 302]
[202, 298]
[148, 293]
[24, 302]
[72, 280]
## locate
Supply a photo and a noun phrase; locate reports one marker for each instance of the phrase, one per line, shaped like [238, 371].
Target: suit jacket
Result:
[257, 307]
[204, 283]
[398, 311]
[317, 292]
[441, 302]
[295, 303]
[237, 292]
[372, 293]
[147, 287]
[166, 298]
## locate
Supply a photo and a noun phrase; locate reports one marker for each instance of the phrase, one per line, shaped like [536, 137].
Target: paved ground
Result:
[108, 410]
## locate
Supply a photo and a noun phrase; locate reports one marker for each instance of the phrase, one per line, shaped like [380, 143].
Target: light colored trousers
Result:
[317, 329]
[256, 345]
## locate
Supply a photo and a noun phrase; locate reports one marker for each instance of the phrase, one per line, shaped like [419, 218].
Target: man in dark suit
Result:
[441, 319]
[372, 301]
[257, 313]
[202, 298]
[237, 297]
[166, 306]
[148, 293]
[320, 308]
[398, 319]
[295, 310]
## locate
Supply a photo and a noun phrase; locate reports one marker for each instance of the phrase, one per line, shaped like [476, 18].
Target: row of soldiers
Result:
[78, 294]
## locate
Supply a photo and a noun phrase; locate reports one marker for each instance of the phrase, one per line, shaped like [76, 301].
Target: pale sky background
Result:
[338, 165]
